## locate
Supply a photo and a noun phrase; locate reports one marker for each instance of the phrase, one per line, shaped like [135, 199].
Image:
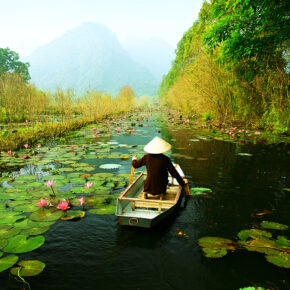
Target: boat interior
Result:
[136, 201]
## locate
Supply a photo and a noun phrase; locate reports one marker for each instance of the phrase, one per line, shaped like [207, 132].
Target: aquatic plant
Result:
[63, 205]
[277, 251]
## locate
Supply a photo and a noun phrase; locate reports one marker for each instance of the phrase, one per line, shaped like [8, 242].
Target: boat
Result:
[135, 208]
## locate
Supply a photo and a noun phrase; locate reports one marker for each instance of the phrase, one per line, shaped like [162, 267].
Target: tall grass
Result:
[29, 115]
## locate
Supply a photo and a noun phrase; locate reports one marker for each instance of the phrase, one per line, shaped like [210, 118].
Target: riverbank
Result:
[15, 139]
[231, 131]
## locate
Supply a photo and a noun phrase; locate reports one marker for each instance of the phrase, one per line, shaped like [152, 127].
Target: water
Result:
[97, 253]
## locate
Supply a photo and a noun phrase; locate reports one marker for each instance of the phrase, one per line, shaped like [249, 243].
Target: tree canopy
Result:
[255, 31]
[10, 63]
[128, 95]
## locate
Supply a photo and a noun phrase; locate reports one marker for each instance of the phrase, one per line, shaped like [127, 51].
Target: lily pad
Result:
[27, 207]
[110, 166]
[110, 209]
[74, 175]
[253, 234]
[273, 225]
[74, 214]
[7, 262]
[26, 178]
[28, 268]
[34, 231]
[46, 215]
[245, 154]
[21, 244]
[215, 247]
[214, 252]
[7, 232]
[78, 180]
[3, 244]
[66, 169]
[281, 259]
[10, 217]
[199, 190]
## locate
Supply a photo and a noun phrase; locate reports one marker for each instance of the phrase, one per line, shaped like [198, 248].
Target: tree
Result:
[253, 32]
[10, 63]
[128, 95]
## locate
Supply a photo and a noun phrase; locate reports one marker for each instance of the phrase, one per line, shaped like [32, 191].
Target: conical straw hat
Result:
[157, 146]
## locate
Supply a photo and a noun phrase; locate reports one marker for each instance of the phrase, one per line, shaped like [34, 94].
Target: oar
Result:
[186, 188]
[132, 173]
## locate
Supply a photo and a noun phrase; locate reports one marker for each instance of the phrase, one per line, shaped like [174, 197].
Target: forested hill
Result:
[89, 57]
[233, 64]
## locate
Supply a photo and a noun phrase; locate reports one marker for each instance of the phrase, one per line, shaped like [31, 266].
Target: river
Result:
[97, 253]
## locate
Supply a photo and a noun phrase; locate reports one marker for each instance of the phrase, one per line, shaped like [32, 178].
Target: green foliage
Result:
[232, 62]
[10, 63]
[252, 30]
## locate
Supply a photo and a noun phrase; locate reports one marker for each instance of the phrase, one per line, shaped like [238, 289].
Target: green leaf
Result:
[253, 234]
[273, 225]
[7, 262]
[21, 244]
[7, 232]
[28, 268]
[281, 260]
[73, 215]
[46, 215]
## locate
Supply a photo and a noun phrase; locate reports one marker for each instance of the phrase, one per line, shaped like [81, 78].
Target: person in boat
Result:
[158, 165]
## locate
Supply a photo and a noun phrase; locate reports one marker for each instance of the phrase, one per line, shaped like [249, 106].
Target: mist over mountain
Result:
[89, 57]
[154, 53]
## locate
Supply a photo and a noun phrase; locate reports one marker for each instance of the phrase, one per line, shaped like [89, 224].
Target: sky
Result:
[28, 24]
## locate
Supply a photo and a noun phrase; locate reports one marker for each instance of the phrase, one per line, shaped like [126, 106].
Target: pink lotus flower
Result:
[41, 203]
[94, 128]
[39, 146]
[63, 205]
[250, 135]
[118, 131]
[84, 146]
[247, 131]
[88, 184]
[97, 132]
[233, 135]
[50, 183]
[26, 146]
[9, 152]
[72, 146]
[82, 200]
[257, 133]
[240, 131]
[24, 156]
[50, 204]
[26, 121]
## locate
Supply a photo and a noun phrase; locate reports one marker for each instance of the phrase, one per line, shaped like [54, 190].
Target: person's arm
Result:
[174, 173]
[138, 163]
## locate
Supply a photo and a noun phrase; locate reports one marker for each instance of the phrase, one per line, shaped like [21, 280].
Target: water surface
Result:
[97, 253]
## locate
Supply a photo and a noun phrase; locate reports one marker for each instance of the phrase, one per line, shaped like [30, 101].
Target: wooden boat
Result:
[133, 209]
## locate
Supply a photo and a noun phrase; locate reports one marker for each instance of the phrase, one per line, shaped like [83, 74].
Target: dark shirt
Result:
[158, 166]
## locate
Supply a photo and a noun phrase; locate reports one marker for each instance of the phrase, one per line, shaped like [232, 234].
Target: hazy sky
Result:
[26, 24]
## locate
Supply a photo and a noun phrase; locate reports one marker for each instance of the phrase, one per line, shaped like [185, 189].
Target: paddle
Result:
[132, 173]
[186, 187]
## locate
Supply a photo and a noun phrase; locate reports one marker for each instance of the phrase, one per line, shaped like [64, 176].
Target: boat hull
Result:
[133, 210]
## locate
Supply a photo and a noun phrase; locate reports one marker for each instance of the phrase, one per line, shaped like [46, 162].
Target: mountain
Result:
[89, 57]
[154, 53]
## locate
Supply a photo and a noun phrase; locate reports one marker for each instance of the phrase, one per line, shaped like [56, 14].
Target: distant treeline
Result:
[233, 64]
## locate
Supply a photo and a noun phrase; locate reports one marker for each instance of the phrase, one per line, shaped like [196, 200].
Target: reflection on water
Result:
[97, 253]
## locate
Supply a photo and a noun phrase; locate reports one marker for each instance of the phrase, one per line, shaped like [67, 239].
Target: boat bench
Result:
[153, 202]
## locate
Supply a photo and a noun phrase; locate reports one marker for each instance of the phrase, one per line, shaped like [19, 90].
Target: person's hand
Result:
[134, 157]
